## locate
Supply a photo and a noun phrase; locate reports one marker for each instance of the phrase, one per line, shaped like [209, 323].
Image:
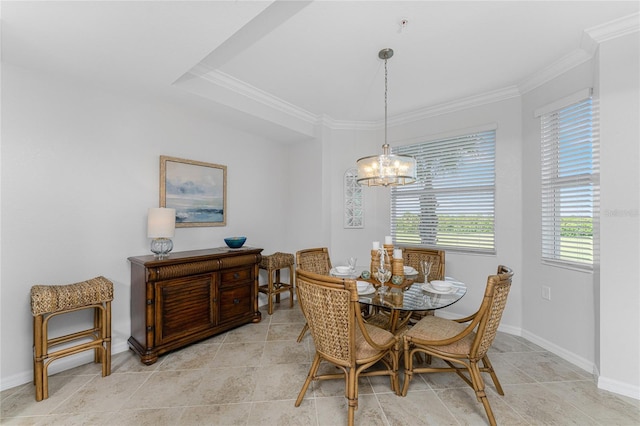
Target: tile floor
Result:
[252, 375]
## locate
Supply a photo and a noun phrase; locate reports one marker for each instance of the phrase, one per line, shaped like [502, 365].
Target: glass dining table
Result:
[392, 306]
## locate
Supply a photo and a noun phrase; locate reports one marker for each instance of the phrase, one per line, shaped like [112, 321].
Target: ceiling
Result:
[282, 67]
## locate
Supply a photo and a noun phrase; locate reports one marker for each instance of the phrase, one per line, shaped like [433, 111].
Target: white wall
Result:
[346, 146]
[619, 292]
[551, 323]
[80, 168]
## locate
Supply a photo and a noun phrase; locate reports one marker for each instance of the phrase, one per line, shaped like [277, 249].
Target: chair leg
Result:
[98, 324]
[408, 368]
[292, 285]
[277, 285]
[38, 368]
[352, 394]
[312, 373]
[302, 333]
[270, 290]
[478, 386]
[108, 338]
[395, 364]
[489, 369]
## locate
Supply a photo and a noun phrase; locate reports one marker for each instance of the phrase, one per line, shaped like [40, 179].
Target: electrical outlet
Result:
[546, 292]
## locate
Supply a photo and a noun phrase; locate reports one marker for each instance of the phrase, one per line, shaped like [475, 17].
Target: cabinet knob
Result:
[236, 275]
[236, 301]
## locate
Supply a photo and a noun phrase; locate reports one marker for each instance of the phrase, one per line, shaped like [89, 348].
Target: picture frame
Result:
[197, 190]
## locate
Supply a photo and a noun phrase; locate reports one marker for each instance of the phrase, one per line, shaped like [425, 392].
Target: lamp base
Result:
[161, 247]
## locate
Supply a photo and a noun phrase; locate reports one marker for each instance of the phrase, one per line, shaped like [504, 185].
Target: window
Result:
[570, 194]
[452, 203]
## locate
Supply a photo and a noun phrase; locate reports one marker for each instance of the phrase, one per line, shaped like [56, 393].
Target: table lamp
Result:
[161, 226]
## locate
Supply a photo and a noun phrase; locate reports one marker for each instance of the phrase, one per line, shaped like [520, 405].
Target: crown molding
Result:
[614, 29]
[456, 105]
[334, 124]
[591, 39]
[233, 84]
[554, 70]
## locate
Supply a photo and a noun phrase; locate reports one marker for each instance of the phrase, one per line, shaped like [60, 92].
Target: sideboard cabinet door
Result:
[185, 306]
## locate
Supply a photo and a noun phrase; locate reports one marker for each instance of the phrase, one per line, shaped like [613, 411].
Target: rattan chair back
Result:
[491, 309]
[413, 256]
[330, 314]
[314, 260]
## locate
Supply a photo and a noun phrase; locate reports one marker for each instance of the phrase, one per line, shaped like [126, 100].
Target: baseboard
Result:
[59, 365]
[574, 359]
[569, 356]
[618, 387]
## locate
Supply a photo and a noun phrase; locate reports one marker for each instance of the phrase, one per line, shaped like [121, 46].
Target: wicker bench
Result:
[48, 301]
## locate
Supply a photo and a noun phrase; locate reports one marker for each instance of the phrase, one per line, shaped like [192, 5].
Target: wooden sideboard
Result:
[190, 296]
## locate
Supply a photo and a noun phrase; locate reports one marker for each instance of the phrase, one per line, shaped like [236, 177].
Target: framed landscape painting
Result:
[197, 190]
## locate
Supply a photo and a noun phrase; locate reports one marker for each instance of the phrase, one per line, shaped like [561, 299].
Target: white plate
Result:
[337, 273]
[440, 285]
[427, 287]
[362, 285]
[342, 269]
[368, 290]
[408, 270]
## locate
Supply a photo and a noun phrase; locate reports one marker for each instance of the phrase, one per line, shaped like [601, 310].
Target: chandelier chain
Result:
[385, 101]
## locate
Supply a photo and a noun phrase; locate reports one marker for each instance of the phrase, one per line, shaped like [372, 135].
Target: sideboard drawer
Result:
[235, 302]
[236, 276]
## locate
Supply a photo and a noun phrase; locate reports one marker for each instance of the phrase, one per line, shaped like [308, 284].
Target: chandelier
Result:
[386, 169]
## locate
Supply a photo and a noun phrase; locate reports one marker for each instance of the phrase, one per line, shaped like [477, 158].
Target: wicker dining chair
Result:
[462, 344]
[341, 337]
[316, 260]
[412, 256]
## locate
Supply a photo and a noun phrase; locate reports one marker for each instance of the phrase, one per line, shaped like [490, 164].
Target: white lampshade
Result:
[386, 169]
[161, 222]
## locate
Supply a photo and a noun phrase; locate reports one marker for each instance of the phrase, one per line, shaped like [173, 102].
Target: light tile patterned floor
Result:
[252, 375]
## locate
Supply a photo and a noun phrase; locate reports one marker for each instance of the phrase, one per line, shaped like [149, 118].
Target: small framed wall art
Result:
[197, 190]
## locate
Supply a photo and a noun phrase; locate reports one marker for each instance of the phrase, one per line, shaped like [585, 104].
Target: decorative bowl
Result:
[235, 242]
[440, 285]
[397, 279]
[365, 275]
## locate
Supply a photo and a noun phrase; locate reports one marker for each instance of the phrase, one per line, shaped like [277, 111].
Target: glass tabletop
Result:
[417, 297]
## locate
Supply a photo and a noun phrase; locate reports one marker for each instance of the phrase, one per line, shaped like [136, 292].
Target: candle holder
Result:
[397, 267]
[375, 260]
[388, 252]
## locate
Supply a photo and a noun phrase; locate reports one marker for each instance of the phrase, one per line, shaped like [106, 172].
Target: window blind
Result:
[452, 203]
[570, 184]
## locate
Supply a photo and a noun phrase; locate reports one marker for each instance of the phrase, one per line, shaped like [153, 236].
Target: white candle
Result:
[388, 240]
[397, 253]
[376, 245]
